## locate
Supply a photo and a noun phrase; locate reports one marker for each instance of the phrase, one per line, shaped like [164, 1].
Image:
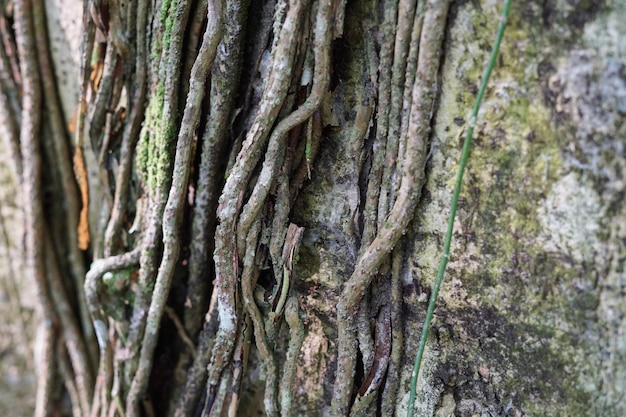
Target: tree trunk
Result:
[238, 208]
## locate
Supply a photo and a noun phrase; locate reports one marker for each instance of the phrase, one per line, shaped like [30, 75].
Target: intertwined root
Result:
[163, 95]
[395, 184]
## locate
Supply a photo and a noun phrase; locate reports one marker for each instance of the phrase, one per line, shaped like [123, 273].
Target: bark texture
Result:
[238, 208]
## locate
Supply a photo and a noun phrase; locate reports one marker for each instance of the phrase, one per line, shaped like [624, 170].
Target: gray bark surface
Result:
[531, 319]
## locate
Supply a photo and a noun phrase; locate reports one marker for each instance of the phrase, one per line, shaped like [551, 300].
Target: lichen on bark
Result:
[519, 319]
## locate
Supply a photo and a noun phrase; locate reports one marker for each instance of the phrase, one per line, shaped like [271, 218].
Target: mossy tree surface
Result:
[269, 184]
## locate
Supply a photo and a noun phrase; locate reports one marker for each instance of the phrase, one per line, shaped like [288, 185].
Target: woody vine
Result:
[196, 134]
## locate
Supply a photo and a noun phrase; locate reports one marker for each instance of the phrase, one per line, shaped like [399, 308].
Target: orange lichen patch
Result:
[81, 178]
[96, 75]
[71, 126]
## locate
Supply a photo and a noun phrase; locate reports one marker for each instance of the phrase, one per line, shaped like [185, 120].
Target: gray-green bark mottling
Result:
[532, 315]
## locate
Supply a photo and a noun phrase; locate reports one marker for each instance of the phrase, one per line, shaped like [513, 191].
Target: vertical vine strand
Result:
[400, 215]
[166, 132]
[130, 134]
[225, 77]
[370, 213]
[30, 150]
[59, 147]
[10, 106]
[453, 207]
[321, 80]
[402, 42]
[175, 203]
[225, 255]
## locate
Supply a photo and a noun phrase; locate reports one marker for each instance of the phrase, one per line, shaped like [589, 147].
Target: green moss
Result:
[169, 22]
[142, 156]
[534, 289]
[145, 147]
[531, 368]
[521, 310]
[167, 18]
[165, 11]
[157, 144]
[154, 153]
[165, 156]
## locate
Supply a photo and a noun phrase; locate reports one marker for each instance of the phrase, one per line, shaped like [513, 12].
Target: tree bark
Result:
[232, 208]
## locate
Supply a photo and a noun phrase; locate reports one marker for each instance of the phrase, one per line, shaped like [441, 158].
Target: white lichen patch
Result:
[570, 218]
[427, 395]
[603, 34]
[312, 364]
[447, 406]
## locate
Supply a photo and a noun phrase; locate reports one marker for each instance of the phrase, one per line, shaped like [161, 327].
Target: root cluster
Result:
[197, 126]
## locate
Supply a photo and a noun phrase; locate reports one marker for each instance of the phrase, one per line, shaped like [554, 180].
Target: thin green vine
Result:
[455, 198]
